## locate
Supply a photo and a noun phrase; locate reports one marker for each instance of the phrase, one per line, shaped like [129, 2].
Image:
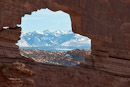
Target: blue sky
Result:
[46, 19]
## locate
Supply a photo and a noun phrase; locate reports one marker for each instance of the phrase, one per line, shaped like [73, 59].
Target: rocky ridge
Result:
[71, 58]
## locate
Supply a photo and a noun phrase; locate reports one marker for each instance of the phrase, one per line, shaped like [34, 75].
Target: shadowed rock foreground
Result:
[25, 72]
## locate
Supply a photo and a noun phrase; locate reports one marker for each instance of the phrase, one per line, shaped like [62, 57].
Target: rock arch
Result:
[102, 20]
[105, 22]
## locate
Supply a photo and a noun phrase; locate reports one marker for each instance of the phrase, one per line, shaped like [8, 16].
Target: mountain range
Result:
[53, 41]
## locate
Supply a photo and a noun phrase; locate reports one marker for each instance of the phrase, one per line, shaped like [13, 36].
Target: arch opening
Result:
[47, 37]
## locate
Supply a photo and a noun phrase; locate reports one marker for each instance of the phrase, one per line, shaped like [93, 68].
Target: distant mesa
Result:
[69, 58]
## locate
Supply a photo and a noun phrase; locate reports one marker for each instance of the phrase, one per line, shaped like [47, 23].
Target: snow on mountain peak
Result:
[38, 32]
[53, 40]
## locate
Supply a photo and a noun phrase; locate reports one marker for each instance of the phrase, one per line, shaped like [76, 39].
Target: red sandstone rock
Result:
[16, 75]
[79, 54]
[57, 76]
[106, 22]
[8, 38]
[100, 20]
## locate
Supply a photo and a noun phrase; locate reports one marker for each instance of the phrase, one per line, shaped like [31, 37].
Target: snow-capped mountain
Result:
[53, 40]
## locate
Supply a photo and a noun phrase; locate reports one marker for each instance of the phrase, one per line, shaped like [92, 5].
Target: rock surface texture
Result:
[8, 38]
[69, 58]
[105, 22]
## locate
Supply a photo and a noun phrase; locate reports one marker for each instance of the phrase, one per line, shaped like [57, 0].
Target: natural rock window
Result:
[47, 37]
